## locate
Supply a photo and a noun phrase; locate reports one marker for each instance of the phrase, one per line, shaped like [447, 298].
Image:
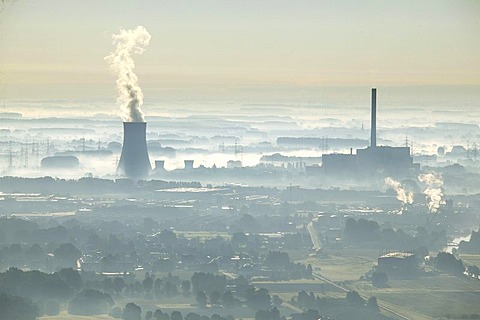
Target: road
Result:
[380, 305]
[314, 236]
[317, 245]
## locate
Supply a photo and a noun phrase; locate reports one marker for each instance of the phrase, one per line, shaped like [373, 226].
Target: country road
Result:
[314, 236]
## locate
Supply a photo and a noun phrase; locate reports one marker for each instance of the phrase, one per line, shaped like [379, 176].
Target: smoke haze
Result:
[404, 196]
[130, 95]
[433, 191]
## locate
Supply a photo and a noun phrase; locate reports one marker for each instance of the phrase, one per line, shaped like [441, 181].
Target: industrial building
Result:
[372, 160]
[398, 263]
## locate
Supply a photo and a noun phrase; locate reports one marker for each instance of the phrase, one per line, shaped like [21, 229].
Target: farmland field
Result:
[66, 316]
[471, 259]
[427, 297]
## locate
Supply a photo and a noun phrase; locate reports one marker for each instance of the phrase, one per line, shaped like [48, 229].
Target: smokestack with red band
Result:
[134, 161]
[373, 129]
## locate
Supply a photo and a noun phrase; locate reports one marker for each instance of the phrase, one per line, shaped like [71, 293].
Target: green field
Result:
[424, 298]
[294, 286]
[66, 316]
[470, 259]
[345, 267]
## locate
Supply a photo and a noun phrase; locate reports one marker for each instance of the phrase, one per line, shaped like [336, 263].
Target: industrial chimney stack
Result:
[373, 129]
[134, 161]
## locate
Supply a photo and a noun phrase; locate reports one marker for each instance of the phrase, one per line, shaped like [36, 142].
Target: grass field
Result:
[66, 316]
[471, 259]
[293, 286]
[342, 268]
[424, 298]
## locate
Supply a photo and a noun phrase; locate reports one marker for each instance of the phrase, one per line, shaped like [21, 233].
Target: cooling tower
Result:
[134, 161]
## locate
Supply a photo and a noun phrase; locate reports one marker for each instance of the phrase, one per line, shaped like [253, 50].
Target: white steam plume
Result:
[433, 191]
[406, 197]
[130, 96]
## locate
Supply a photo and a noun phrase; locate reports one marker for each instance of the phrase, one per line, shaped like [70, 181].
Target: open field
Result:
[343, 268]
[275, 287]
[433, 296]
[471, 259]
[66, 316]
[424, 298]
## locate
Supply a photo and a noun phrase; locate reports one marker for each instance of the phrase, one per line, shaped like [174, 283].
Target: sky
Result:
[218, 49]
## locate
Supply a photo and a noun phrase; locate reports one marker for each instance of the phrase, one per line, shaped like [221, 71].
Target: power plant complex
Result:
[373, 159]
[368, 162]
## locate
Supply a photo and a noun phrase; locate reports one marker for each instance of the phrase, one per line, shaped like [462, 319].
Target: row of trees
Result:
[132, 311]
[364, 231]
[352, 307]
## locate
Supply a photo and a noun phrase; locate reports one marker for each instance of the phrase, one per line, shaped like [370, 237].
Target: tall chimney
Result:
[373, 129]
[134, 161]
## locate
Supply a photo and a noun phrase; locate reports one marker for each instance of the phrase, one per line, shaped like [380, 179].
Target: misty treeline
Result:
[370, 234]
[352, 307]
[33, 293]
[87, 185]
[114, 246]
[88, 293]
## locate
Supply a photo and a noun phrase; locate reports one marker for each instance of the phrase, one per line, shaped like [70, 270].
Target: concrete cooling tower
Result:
[134, 161]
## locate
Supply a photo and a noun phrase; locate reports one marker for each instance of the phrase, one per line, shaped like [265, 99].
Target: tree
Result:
[274, 314]
[372, 304]
[228, 300]
[51, 308]
[354, 298]
[208, 282]
[214, 297]
[311, 315]
[132, 312]
[71, 277]
[147, 284]
[192, 316]
[239, 239]
[447, 262]
[157, 314]
[186, 286]
[277, 260]
[66, 256]
[277, 301]
[473, 271]
[116, 313]
[201, 298]
[379, 279]
[13, 307]
[166, 237]
[258, 299]
[118, 284]
[176, 315]
[90, 302]
[148, 315]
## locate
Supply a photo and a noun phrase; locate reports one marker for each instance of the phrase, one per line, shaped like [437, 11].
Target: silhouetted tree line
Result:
[471, 246]
[132, 311]
[368, 233]
[87, 185]
[18, 308]
[447, 262]
[352, 307]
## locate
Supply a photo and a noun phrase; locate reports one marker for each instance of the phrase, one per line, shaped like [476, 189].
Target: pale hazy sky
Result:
[54, 49]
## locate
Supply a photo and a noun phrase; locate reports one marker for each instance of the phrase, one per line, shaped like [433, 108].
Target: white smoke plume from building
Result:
[406, 197]
[433, 191]
[130, 95]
